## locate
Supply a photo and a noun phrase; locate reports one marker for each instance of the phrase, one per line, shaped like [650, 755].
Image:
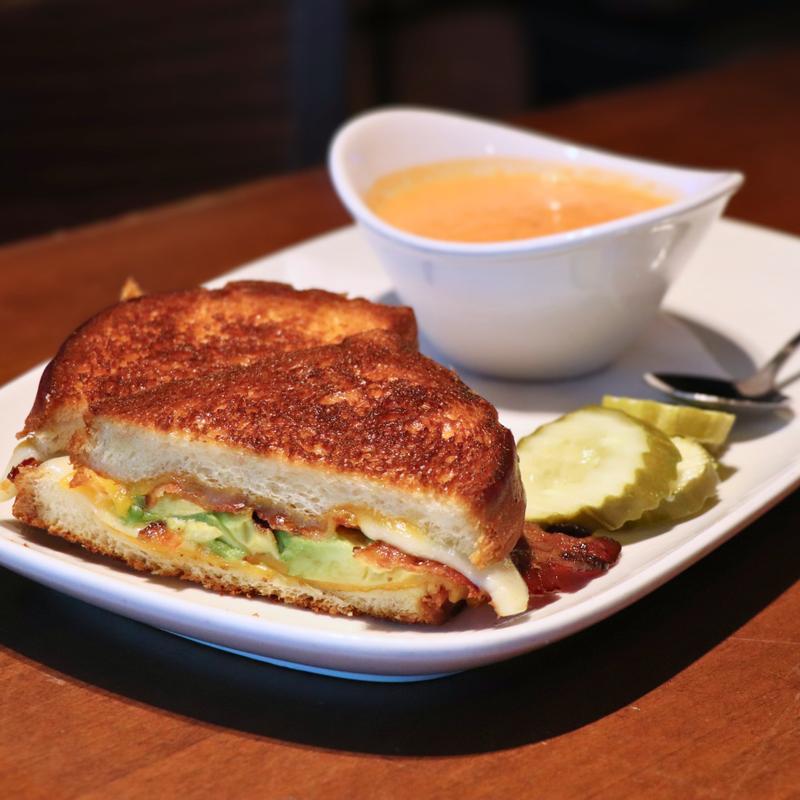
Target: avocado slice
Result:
[233, 537]
[332, 560]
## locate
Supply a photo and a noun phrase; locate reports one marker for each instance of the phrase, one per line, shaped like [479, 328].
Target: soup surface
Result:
[499, 199]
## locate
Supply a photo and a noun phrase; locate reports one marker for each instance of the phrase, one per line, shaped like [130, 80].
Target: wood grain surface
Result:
[693, 692]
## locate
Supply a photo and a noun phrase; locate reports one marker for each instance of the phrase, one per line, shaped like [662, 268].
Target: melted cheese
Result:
[40, 446]
[507, 590]
[7, 490]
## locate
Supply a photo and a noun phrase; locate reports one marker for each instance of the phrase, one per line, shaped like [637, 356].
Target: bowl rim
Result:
[722, 183]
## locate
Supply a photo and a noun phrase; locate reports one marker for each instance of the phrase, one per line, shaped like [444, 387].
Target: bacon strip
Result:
[387, 557]
[233, 502]
[159, 534]
[210, 499]
[24, 464]
[549, 562]
[553, 562]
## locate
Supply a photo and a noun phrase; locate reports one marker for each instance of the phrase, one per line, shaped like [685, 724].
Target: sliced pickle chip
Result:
[694, 486]
[596, 467]
[707, 427]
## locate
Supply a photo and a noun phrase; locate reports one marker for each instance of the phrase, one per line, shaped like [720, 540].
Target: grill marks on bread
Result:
[145, 342]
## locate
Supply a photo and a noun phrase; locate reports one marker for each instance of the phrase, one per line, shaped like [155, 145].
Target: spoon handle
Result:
[763, 381]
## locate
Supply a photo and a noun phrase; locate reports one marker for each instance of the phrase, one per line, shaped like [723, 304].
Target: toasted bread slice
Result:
[368, 434]
[146, 341]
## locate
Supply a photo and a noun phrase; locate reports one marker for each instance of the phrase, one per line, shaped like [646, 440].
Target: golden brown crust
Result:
[146, 341]
[24, 508]
[433, 608]
[130, 289]
[371, 406]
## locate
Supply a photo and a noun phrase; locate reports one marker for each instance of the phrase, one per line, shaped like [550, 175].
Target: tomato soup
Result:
[501, 199]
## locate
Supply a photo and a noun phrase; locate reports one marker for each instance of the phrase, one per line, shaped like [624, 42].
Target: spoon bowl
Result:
[716, 393]
[757, 392]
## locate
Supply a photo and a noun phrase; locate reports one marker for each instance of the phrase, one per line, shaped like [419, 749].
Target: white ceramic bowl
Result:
[544, 308]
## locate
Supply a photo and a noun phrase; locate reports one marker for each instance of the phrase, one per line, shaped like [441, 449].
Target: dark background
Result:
[107, 106]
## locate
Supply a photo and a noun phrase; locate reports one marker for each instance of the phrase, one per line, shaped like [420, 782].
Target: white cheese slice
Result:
[34, 445]
[507, 590]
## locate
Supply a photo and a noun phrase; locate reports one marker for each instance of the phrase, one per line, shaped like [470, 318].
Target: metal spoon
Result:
[755, 393]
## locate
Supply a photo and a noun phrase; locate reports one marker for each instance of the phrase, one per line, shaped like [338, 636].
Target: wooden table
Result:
[692, 692]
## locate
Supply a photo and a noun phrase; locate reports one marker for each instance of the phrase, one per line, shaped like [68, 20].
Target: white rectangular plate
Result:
[736, 297]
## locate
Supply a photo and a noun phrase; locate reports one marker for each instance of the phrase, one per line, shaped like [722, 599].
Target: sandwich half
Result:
[144, 342]
[353, 478]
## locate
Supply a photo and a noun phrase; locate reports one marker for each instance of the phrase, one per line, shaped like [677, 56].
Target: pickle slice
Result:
[707, 427]
[695, 484]
[597, 467]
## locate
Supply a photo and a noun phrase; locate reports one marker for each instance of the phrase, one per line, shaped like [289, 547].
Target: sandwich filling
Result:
[370, 553]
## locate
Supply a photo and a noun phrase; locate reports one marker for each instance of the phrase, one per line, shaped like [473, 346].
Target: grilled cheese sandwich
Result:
[355, 477]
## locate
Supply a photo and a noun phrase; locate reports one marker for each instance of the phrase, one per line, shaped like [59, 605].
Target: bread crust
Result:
[371, 407]
[146, 341]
